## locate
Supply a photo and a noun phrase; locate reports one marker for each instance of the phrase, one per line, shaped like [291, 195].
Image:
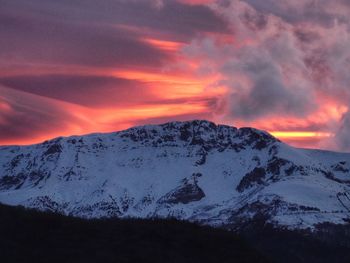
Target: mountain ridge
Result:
[195, 170]
[139, 127]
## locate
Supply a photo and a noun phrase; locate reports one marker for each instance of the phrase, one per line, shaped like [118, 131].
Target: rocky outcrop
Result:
[187, 192]
[255, 177]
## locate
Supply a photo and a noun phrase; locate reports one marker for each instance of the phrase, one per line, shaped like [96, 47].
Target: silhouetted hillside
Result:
[30, 236]
[328, 243]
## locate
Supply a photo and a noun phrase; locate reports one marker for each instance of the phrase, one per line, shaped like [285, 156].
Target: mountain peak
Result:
[200, 132]
[194, 170]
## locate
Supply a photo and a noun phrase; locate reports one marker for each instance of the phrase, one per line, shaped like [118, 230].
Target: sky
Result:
[81, 66]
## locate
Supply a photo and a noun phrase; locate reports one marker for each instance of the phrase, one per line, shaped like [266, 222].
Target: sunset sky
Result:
[80, 66]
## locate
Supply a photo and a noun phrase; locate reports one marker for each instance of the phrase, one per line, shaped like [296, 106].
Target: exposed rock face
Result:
[195, 170]
[187, 192]
[252, 178]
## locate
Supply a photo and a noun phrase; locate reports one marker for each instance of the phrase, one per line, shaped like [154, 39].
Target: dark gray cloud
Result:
[34, 40]
[97, 33]
[267, 97]
[92, 91]
[266, 92]
[178, 19]
[321, 12]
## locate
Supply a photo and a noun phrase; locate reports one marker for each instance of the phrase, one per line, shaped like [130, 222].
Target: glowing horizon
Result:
[285, 136]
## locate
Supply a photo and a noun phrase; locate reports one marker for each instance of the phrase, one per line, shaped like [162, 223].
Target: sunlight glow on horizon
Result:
[300, 134]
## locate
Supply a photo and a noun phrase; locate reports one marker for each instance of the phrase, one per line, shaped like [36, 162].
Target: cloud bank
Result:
[285, 60]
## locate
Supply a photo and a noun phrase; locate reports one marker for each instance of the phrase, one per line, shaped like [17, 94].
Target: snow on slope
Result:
[196, 170]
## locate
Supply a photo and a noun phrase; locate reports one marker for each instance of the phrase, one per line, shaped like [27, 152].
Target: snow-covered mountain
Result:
[196, 170]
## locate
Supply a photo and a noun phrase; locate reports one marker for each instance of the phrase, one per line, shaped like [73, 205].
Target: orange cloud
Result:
[163, 44]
